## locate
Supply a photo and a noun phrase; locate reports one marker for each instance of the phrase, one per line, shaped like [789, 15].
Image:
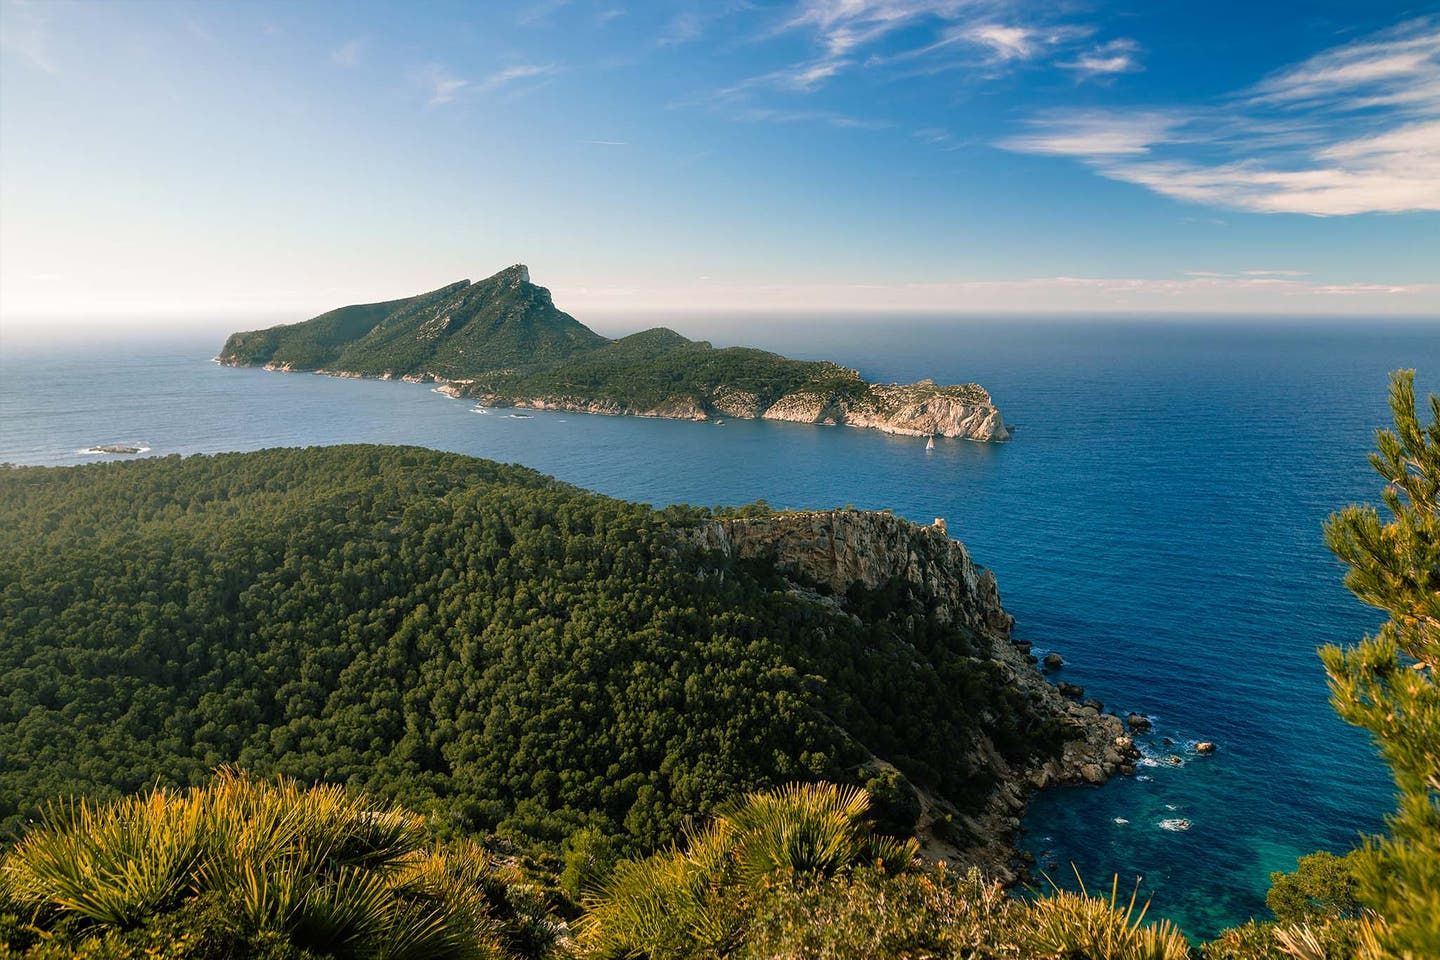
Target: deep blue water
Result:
[1156, 520]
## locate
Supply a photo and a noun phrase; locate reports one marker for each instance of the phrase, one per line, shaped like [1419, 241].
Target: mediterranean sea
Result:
[1156, 520]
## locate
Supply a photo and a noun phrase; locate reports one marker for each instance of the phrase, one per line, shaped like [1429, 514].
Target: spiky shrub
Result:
[312, 868]
[1078, 925]
[113, 864]
[699, 901]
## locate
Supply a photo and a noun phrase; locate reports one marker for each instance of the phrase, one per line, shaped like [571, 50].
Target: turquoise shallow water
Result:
[1156, 520]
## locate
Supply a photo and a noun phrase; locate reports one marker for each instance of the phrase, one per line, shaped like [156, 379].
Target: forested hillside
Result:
[475, 640]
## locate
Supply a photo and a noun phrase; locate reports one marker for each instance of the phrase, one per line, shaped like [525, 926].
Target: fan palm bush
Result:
[698, 901]
[273, 865]
[1066, 924]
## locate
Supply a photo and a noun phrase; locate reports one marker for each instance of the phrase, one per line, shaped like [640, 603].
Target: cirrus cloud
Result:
[1354, 129]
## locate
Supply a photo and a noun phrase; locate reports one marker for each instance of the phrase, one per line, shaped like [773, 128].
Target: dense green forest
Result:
[478, 641]
[501, 323]
[647, 370]
[502, 339]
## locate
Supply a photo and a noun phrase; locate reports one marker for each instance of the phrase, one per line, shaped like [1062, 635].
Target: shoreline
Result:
[978, 423]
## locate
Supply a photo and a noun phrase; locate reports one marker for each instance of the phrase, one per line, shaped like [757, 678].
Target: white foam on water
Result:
[1176, 825]
[94, 452]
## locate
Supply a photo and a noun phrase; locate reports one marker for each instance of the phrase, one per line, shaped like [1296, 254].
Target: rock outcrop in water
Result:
[503, 342]
[835, 550]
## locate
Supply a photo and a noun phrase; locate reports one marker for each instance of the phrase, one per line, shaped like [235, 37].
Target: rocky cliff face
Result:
[913, 409]
[840, 548]
[922, 409]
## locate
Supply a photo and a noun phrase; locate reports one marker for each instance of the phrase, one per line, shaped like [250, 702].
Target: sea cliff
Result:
[829, 552]
[924, 409]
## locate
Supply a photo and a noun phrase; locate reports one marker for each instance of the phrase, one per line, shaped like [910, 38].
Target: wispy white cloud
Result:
[442, 85]
[1094, 134]
[853, 35]
[1107, 59]
[846, 25]
[844, 28]
[1006, 43]
[349, 53]
[607, 143]
[1399, 68]
[512, 75]
[1355, 129]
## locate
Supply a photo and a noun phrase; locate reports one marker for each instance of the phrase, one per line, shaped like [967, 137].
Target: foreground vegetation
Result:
[246, 868]
[266, 870]
[243, 867]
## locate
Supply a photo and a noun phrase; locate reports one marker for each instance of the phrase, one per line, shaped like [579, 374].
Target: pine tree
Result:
[1387, 683]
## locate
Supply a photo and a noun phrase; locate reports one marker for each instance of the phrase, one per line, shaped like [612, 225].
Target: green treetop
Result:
[1387, 683]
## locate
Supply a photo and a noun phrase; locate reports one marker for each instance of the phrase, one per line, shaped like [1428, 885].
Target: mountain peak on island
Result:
[515, 270]
[503, 341]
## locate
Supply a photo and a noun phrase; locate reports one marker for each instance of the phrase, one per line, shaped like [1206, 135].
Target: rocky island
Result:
[503, 342]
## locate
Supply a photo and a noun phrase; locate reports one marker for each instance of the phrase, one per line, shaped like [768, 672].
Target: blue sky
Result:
[217, 158]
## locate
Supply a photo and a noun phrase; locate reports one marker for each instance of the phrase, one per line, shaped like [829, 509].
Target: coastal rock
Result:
[1205, 746]
[838, 548]
[1071, 690]
[1138, 722]
[1053, 661]
[923, 409]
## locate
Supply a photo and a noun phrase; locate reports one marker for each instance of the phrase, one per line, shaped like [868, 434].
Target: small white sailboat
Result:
[929, 444]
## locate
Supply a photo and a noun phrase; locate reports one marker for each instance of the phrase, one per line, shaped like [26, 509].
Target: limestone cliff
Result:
[924, 409]
[836, 549]
[914, 409]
